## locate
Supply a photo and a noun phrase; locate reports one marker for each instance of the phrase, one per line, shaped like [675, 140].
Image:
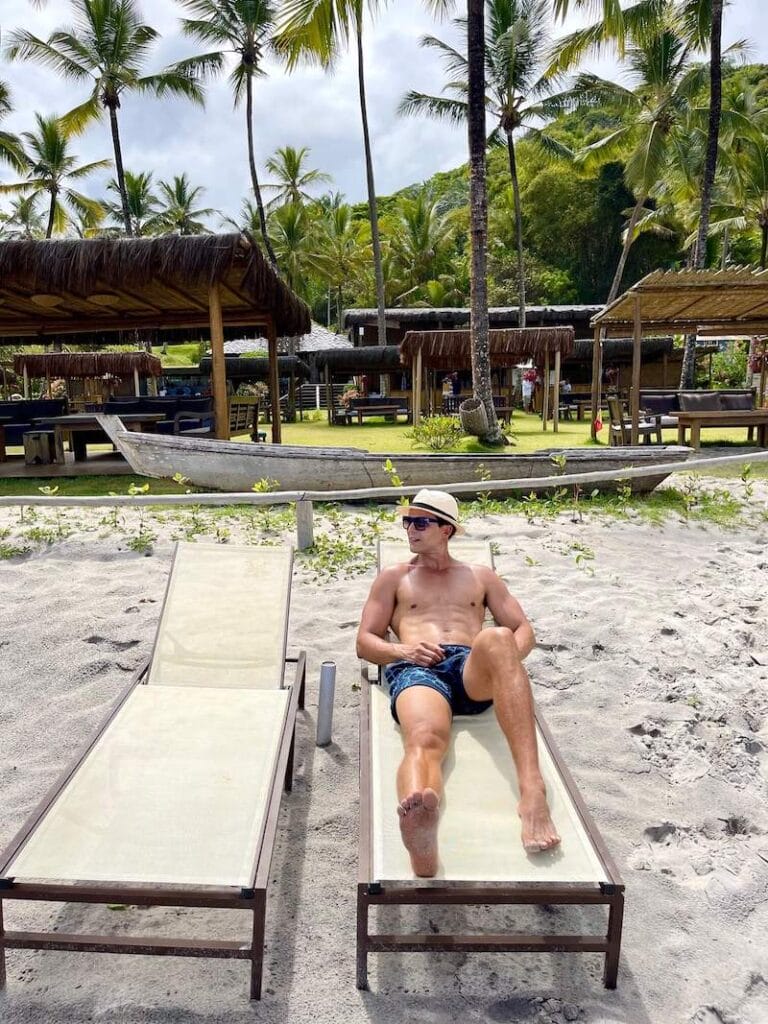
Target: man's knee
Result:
[497, 641]
[425, 736]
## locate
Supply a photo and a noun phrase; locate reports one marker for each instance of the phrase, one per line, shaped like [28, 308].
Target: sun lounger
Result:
[482, 861]
[175, 801]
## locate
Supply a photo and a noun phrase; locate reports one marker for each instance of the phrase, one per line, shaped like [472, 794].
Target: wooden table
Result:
[722, 418]
[86, 422]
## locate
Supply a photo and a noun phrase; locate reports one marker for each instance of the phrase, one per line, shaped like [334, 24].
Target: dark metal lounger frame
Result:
[252, 898]
[372, 892]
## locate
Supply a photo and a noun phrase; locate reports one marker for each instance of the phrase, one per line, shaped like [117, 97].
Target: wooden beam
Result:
[545, 396]
[218, 366]
[597, 361]
[636, 357]
[556, 394]
[34, 329]
[274, 383]
[329, 393]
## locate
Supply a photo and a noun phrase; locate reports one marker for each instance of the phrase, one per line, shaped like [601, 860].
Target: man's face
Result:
[425, 533]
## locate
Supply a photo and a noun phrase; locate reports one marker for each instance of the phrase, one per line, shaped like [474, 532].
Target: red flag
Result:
[598, 425]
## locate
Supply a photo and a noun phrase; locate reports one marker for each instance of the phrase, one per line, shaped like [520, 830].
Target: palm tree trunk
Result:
[715, 106]
[119, 170]
[625, 251]
[764, 246]
[518, 231]
[478, 217]
[51, 214]
[373, 213]
[254, 176]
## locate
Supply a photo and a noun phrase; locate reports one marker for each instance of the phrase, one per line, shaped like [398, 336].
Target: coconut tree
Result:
[516, 43]
[290, 234]
[341, 249]
[144, 206]
[288, 165]
[50, 166]
[421, 240]
[652, 114]
[107, 48]
[11, 151]
[178, 212]
[241, 29]
[24, 219]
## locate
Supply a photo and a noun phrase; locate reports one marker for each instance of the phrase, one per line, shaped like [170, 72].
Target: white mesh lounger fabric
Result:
[482, 860]
[175, 801]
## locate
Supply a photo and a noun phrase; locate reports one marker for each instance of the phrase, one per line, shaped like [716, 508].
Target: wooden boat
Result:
[238, 465]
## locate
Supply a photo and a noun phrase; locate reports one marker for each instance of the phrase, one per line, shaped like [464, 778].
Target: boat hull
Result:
[237, 466]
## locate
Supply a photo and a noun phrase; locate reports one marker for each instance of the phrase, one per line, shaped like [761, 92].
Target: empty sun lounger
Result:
[482, 861]
[175, 800]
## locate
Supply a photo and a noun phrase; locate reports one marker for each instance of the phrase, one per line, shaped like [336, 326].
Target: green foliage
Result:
[729, 368]
[436, 433]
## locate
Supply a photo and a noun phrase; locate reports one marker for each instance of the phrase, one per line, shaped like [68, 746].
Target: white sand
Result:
[652, 671]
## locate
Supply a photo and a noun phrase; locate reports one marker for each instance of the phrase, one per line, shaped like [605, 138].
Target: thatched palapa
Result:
[257, 367]
[369, 359]
[58, 287]
[452, 349]
[87, 364]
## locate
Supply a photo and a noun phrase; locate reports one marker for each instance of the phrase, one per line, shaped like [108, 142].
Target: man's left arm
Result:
[507, 611]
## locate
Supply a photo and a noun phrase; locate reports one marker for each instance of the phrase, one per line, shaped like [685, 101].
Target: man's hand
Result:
[423, 653]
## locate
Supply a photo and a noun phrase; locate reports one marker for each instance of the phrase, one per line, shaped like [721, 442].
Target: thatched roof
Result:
[619, 350]
[692, 301]
[256, 367]
[434, 317]
[451, 349]
[102, 285]
[367, 359]
[87, 364]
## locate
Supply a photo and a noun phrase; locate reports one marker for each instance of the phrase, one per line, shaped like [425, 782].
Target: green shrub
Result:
[729, 368]
[436, 432]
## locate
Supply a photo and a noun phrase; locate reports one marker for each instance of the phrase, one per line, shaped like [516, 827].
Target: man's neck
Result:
[436, 561]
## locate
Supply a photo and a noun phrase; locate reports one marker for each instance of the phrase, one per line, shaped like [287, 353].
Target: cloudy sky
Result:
[308, 108]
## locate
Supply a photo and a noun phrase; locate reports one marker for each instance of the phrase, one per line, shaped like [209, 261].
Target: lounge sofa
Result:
[22, 415]
[181, 414]
[666, 403]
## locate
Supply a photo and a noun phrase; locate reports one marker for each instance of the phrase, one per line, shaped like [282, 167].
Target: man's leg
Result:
[425, 722]
[494, 671]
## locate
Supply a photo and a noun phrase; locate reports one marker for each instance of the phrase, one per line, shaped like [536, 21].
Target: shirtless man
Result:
[445, 663]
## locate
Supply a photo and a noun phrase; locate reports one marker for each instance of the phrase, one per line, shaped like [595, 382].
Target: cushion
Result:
[699, 401]
[736, 402]
[662, 404]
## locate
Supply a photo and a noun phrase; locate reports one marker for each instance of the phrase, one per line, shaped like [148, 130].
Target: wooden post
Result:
[761, 397]
[136, 384]
[329, 393]
[274, 382]
[305, 537]
[597, 347]
[26, 381]
[218, 365]
[545, 396]
[636, 356]
[556, 393]
[417, 389]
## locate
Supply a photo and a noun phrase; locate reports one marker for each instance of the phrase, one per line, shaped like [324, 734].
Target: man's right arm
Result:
[376, 620]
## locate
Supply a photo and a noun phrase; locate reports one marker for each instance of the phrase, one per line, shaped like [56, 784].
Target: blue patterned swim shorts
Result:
[445, 677]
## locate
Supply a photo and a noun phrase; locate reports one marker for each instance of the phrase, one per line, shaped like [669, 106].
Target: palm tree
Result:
[748, 205]
[290, 234]
[107, 48]
[421, 240]
[293, 179]
[316, 30]
[10, 146]
[516, 42]
[651, 118]
[49, 166]
[144, 207]
[341, 249]
[24, 219]
[242, 28]
[178, 213]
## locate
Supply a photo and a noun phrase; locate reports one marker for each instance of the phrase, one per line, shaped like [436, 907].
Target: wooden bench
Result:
[389, 412]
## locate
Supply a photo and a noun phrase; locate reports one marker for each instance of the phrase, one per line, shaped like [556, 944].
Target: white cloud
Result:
[309, 108]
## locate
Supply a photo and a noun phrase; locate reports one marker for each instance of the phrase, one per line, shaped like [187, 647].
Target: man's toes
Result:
[430, 800]
[401, 810]
[416, 800]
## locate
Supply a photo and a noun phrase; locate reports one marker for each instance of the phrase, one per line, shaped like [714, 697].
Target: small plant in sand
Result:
[394, 479]
[559, 461]
[691, 493]
[436, 433]
[12, 551]
[339, 555]
[583, 555]
[143, 539]
[746, 479]
[485, 503]
[61, 531]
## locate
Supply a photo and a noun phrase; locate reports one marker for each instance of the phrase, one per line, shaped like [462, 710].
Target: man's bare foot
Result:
[539, 832]
[418, 815]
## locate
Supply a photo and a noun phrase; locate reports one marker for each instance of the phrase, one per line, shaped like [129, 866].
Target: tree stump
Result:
[473, 417]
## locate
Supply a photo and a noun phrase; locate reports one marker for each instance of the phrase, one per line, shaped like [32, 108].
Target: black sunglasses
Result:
[420, 522]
